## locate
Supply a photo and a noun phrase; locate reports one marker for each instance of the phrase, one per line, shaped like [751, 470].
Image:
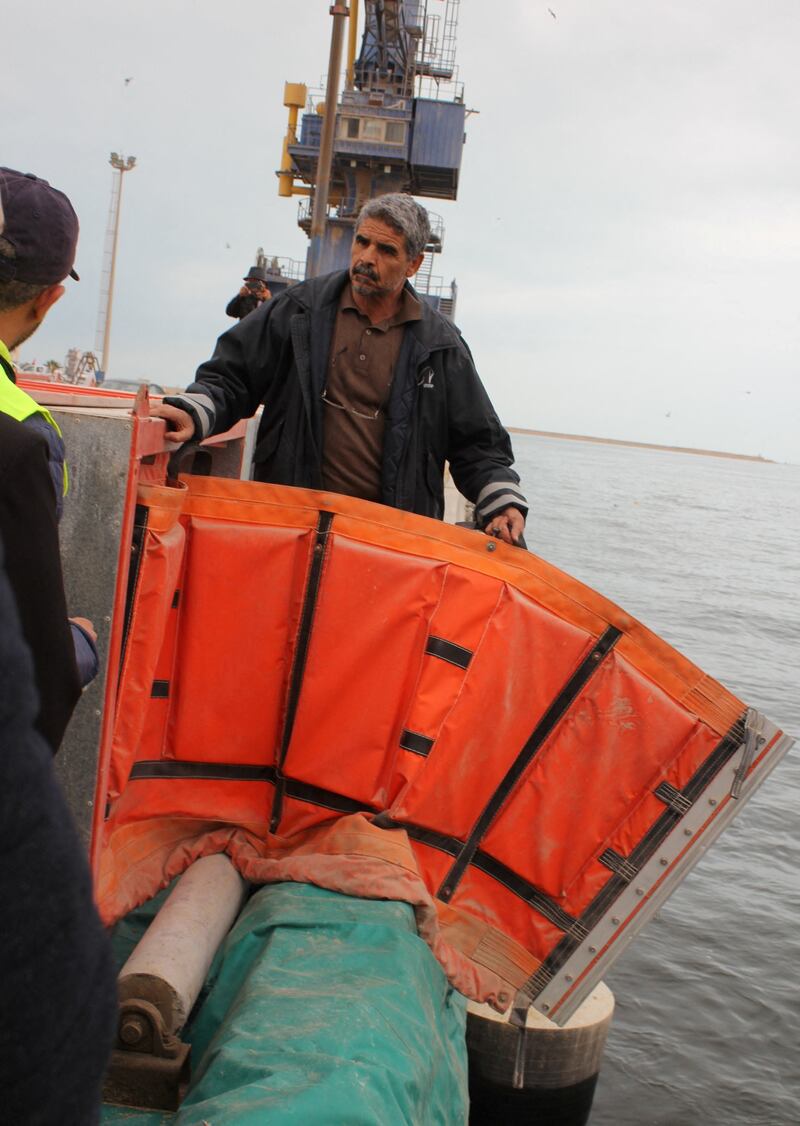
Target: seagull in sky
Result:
[128, 80]
[552, 13]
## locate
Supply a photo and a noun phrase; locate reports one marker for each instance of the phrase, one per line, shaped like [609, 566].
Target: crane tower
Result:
[399, 127]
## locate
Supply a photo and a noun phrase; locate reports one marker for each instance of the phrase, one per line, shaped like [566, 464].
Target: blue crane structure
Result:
[399, 127]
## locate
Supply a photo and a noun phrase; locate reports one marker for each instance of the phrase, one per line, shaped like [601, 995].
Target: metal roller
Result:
[161, 981]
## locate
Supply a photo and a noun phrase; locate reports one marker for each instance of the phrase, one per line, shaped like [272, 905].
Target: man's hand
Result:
[507, 526]
[86, 626]
[180, 424]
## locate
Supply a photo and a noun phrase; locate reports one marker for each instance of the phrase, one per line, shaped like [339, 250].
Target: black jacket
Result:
[242, 305]
[29, 528]
[438, 409]
[58, 996]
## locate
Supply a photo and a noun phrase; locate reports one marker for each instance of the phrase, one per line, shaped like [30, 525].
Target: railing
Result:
[435, 60]
[285, 268]
[438, 90]
[437, 231]
[333, 211]
[433, 285]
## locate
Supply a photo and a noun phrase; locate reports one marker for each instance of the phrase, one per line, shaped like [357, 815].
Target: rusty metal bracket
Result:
[149, 1066]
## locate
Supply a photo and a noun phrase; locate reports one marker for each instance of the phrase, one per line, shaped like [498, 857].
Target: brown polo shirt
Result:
[360, 371]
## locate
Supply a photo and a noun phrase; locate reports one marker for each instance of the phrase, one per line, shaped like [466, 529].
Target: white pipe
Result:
[170, 963]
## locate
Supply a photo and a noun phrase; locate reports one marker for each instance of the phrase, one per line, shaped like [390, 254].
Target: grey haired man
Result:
[368, 390]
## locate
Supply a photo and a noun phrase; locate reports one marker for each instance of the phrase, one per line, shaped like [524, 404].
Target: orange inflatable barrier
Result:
[332, 691]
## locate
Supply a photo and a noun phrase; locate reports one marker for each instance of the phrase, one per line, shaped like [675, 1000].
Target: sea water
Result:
[706, 552]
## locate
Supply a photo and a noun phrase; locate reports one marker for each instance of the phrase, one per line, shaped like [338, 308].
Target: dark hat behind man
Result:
[40, 225]
[256, 273]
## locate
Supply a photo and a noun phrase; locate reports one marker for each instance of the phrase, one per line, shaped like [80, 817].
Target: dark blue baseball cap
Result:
[41, 226]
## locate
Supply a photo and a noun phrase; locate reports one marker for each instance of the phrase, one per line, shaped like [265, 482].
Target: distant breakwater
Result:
[638, 445]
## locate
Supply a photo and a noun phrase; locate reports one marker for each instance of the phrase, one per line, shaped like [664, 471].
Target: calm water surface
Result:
[706, 552]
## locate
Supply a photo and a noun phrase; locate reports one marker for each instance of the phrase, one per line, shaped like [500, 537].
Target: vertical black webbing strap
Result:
[554, 714]
[140, 518]
[300, 655]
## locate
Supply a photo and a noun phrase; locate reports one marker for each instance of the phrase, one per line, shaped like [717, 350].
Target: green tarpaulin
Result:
[320, 1008]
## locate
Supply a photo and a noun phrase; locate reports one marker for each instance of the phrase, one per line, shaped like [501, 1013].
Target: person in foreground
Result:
[58, 1000]
[38, 241]
[368, 390]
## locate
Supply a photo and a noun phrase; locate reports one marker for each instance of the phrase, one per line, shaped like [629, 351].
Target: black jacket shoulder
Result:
[58, 1000]
[29, 530]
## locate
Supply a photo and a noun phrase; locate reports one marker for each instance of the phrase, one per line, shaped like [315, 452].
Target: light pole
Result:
[121, 165]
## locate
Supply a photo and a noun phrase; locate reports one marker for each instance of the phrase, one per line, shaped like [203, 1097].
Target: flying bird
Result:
[552, 13]
[128, 80]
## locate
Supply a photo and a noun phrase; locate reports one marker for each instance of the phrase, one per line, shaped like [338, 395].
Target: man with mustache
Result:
[368, 390]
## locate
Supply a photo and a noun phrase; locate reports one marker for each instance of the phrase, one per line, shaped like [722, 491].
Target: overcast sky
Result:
[627, 237]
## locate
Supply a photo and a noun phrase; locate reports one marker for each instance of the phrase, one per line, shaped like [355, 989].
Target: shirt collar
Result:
[409, 309]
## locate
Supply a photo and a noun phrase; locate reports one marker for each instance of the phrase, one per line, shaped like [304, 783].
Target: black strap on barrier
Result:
[181, 770]
[202, 771]
[413, 741]
[449, 651]
[313, 583]
[429, 837]
[554, 714]
[315, 795]
[140, 518]
[524, 890]
[487, 864]
[618, 864]
[672, 797]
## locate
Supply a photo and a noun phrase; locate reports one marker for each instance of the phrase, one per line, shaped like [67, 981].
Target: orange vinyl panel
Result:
[229, 803]
[149, 619]
[467, 602]
[369, 632]
[300, 816]
[238, 615]
[525, 656]
[607, 752]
